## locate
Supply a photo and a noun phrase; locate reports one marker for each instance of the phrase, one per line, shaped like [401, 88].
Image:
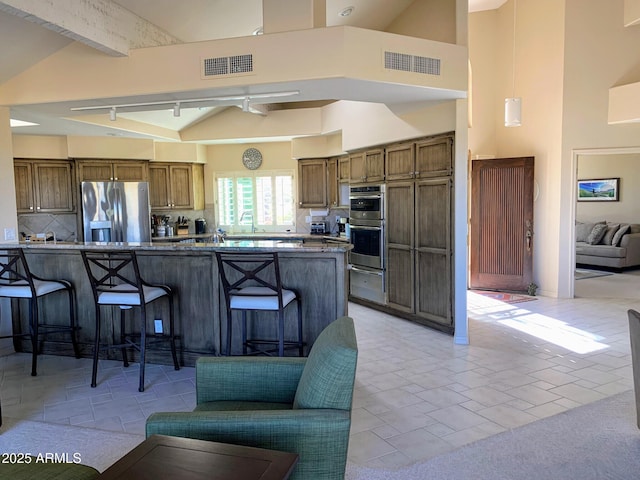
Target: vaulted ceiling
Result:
[27, 41]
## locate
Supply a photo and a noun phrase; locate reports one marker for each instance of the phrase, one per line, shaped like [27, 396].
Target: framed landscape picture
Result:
[599, 190]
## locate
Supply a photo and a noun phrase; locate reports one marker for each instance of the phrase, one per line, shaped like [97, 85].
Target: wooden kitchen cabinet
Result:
[319, 184]
[424, 159]
[434, 157]
[419, 252]
[43, 186]
[312, 183]
[343, 169]
[400, 245]
[366, 166]
[109, 170]
[419, 255]
[400, 161]
[175, 186]
[333, 194]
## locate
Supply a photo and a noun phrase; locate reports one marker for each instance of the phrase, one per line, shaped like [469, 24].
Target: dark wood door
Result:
[502, 224]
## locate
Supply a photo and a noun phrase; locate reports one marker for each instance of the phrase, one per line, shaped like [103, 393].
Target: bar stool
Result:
[17, 281]
[116, 281]
[251, 282]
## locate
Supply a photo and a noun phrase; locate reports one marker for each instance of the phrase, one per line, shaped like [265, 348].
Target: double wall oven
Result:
[366, 219]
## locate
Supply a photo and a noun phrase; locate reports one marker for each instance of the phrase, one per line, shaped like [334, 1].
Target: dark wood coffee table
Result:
[161, 456]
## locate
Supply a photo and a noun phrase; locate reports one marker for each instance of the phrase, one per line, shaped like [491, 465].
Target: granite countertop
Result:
[228, 245]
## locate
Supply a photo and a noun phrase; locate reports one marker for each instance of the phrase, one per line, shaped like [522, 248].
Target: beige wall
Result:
[40, 146]
[431, 19]
[623, 166]
[228, 158]
[8, 218]
[569, 53]
[539, 81]
[99, 147]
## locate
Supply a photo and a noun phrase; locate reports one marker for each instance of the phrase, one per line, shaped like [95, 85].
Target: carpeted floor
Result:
[593, 442]
[504, 296]
[96, 448]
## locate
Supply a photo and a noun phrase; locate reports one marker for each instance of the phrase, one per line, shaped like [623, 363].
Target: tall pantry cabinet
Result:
[419, 230]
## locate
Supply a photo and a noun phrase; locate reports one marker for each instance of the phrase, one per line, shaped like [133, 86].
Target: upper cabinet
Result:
[175, 186]
[434, 157]
[112, 171]
[367, 166]
[320, 185]
[43, 186]
[423, 159]
[343, 169]
[312, 183]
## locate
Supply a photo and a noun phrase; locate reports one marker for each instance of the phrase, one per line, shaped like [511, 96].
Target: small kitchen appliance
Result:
[319, 228]
[201, 226]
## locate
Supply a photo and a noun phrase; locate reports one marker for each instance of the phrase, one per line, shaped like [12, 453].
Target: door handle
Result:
[529, 235]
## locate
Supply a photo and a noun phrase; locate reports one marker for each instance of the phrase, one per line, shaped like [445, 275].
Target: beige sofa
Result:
[623, 253]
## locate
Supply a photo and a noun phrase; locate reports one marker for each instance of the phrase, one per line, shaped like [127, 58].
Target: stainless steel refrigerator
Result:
[116, 212]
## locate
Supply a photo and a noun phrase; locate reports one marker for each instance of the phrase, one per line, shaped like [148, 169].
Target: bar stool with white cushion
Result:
[116, 281]
[251, 282]
[17, 281]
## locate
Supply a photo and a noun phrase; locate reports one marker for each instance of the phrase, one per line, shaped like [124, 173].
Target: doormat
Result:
[582, 273]
[504, 296]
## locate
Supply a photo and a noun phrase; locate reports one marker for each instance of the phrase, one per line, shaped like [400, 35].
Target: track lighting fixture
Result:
[208, 101]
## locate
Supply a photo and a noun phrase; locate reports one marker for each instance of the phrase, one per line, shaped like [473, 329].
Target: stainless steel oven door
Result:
[368, 246]
[366, 207]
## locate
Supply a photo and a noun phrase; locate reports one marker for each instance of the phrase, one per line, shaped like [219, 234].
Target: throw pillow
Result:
[617, 238]
[612, 228]
[597, 233]
[583, 229]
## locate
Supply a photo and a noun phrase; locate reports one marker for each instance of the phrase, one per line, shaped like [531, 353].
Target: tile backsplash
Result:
[63, 225]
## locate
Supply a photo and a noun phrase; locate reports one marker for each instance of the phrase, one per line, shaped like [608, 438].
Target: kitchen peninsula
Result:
[318, 272]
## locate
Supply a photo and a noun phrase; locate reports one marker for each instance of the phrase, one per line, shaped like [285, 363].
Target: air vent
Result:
[411, 63]
[237, 64]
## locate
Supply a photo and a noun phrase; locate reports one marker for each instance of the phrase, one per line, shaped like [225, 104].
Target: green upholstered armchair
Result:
[299, 405]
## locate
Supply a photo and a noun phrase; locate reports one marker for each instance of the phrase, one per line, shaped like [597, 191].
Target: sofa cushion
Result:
[583, 248]
[617, 238]
[634, 228]
[597, 233]
[583, 229]
[329, 373]
[612, 228]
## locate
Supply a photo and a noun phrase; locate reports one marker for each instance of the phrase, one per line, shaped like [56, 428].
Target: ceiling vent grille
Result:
[411, 63]
[237, 64]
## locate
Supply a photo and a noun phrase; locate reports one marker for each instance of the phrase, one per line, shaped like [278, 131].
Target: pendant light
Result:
[513, 104]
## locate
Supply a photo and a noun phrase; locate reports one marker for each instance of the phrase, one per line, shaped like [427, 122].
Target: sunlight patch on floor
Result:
[540, 326]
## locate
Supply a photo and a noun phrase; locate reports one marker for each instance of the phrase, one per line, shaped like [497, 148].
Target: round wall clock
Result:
[252, 158]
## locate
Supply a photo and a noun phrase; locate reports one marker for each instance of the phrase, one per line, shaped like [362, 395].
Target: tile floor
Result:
[417, 394]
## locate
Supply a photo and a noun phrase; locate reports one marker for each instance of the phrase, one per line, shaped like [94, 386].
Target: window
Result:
[260, 201]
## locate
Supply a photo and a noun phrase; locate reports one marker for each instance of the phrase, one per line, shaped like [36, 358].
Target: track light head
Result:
[245, 104]
[176, 109]
[112, 114]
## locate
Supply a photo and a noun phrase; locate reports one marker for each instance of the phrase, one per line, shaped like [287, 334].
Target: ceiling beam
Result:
[101, 24]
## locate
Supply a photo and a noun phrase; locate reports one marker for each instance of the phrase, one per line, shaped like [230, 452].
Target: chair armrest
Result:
[266, 379]
[319, 436]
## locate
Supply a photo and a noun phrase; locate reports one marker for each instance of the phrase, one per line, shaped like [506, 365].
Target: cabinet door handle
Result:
[37, 208]
[116, 179]
[31, 207]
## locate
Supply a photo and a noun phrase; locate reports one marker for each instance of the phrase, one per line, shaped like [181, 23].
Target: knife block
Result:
[182, 229]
